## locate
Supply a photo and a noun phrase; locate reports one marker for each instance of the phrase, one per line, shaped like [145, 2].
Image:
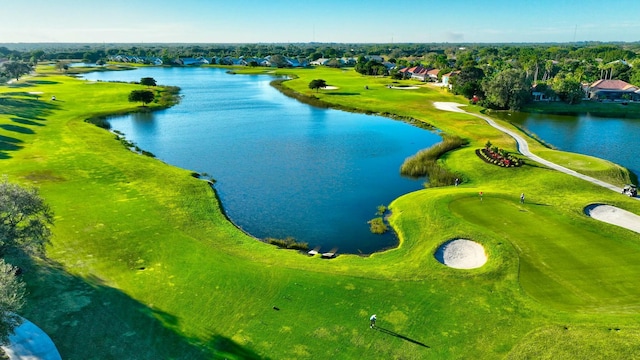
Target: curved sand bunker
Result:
[615, 216]
[461, 254]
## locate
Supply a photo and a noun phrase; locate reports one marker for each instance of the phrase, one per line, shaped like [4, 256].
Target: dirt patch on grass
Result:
[461, 254]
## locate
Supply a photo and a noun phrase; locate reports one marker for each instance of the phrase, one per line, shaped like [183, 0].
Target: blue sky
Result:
[343, 21]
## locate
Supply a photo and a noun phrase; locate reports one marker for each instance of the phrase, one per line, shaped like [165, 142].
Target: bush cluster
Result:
[425, 163]
[377, 226]
[288, 243]
[499, 157]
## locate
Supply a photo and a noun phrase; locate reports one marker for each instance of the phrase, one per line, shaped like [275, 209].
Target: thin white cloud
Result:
[451, 36]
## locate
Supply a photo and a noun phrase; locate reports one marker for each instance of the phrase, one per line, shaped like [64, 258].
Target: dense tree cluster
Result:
[15, 69]
[370, 67]
[143, 96]
[557, 68]
[12, 293]
[24, 227]
[24, 219]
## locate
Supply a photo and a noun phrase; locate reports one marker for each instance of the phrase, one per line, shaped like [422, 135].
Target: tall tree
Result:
[12, 293]
[148, 81]
[468, 82]
[509, 89]
[143, 96]
[24, 219]
[317, 84]
[15, 69]
[279, 61]
[62, 66]
[568, 89]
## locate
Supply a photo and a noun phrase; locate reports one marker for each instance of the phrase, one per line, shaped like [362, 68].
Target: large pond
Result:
[613, 139]
[282, 168]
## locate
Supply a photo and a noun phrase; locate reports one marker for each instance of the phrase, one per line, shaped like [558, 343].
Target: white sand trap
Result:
[329, 87]
[461, 254]
[448, 106]
[35, 93]
[615, 216]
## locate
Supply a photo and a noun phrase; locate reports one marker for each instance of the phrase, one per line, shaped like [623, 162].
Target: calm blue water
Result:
[613, 139]
[282, 168]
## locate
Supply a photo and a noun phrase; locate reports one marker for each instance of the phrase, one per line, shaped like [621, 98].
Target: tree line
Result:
[484, 70]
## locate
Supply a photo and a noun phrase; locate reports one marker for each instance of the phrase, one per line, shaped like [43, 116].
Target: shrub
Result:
[499, 157]
[378, 226]
[425, 163]
[288, 243]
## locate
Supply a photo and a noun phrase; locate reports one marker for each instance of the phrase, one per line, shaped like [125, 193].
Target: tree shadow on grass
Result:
[342, 93]
[18, 129]
[8, 144]
[42, 82]
[26, 122]
[389, 332]
[86, 319]
[29, 108]
[19, 85]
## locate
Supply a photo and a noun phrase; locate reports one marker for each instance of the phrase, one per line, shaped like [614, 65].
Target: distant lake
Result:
[282, 168]
[613, 139]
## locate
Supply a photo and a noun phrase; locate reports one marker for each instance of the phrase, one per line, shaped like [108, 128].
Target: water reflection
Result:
[613, 139]
[282, 168]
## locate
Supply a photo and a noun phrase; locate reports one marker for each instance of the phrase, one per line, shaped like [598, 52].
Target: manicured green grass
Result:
[566, 261]
[143, 264]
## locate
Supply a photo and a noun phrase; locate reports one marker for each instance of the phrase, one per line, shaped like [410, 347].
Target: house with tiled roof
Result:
[432, 74]
[417, 72]
[446, 78]
[611, 89]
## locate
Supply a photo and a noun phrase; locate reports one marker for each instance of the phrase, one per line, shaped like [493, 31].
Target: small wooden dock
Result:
[331, 254]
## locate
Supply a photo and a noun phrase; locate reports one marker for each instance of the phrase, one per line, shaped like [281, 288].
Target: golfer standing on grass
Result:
[522, 198]
[372, 321]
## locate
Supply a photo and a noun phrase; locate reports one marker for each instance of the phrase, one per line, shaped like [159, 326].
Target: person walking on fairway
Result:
[522, 198]
[372, 321]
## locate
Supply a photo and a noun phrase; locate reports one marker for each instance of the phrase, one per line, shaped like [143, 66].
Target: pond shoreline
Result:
[374, 143]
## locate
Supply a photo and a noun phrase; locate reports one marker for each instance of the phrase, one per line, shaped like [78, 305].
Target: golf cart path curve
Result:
[523, 146]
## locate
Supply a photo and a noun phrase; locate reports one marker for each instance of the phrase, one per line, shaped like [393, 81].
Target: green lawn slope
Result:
[143, 263]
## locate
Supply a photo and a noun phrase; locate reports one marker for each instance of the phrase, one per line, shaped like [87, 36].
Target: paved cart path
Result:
[523, 146]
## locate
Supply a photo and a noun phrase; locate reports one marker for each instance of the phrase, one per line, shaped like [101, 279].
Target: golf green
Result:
[564, 262]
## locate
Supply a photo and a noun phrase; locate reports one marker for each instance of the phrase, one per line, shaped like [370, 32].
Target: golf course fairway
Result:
[143, 264]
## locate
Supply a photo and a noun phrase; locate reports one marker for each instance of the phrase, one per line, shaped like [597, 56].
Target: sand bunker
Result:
[448, 106]
[329, 87]
[615, 216]
[461, 254]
